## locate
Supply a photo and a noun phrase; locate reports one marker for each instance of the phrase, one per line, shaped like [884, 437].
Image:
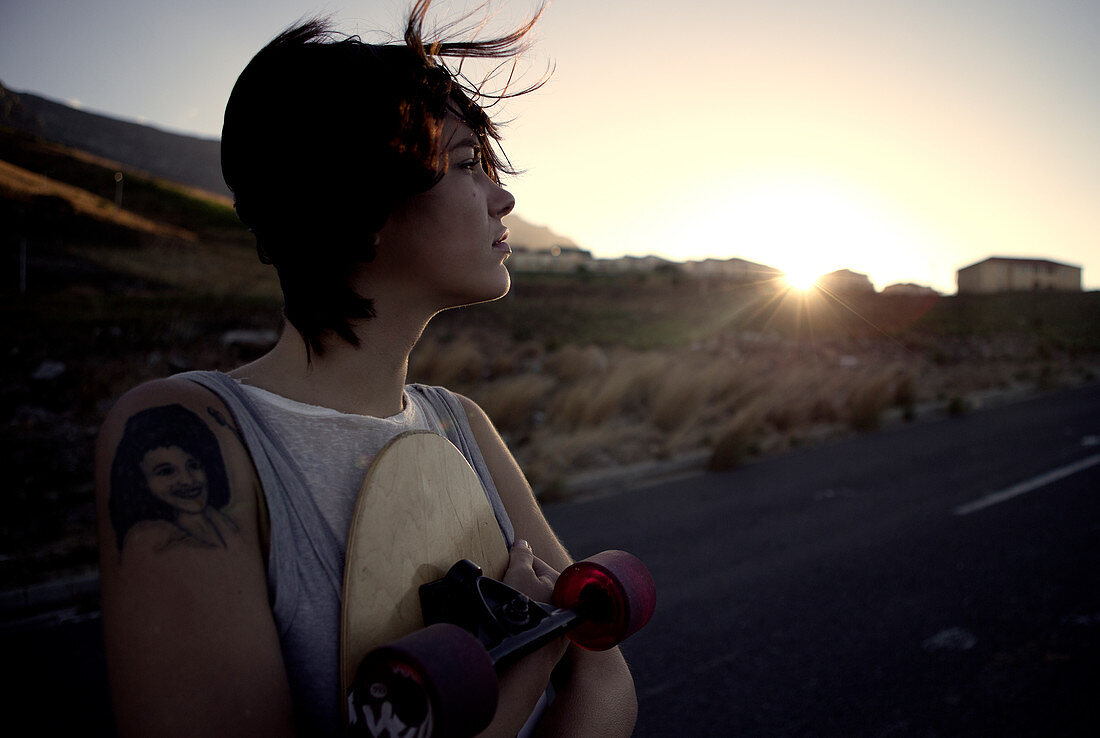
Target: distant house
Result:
[737, 269]
[554, 259]
[1002, 274]
[845, 281]
[908, 289]
[631, 264]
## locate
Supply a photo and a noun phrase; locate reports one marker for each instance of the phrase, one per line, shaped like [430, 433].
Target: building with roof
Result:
[553, 259]
[845, 281]
[1004, 274]
[908, 289]
[733, 269]
[632, 264]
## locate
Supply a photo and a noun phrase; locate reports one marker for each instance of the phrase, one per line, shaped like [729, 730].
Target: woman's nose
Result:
[501, 202]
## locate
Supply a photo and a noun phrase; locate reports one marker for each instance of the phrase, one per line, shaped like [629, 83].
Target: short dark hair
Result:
[325, 134]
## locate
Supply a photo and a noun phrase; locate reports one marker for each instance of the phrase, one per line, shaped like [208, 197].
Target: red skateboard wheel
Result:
[615, 592]
[438, 681]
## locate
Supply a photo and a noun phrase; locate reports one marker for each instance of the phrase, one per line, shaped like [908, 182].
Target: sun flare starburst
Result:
[801, 279]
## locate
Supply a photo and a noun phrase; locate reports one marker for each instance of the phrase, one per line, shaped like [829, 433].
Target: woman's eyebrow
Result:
[466, 142]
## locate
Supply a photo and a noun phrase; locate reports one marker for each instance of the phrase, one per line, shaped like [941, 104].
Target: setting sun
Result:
[804, 225]
[801, 280]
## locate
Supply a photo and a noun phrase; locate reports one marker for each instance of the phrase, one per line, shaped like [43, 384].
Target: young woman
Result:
[369, 177]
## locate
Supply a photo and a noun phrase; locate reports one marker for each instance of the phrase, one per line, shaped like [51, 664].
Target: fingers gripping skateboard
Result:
[441, 680]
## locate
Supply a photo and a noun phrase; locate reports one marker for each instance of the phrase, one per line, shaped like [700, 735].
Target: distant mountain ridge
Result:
[534, 237]
[188, 160]
[196, 162]
[184, 159]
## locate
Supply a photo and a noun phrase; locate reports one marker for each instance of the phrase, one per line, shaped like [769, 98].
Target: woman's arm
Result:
[596, 695]
[192, 647]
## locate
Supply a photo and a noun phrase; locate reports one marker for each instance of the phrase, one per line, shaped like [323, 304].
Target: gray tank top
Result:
[311, 461]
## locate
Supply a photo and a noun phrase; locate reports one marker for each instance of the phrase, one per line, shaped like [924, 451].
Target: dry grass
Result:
[621, 389]
[678, 398]
[18, 183]
[200, 267]
[579, 408]
[573, 363]
[515, 402]
[561, 455]
[448, 364]
[738, 439]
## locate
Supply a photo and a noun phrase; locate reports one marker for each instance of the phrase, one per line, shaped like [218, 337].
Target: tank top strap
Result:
[284, 486]
[456, 428]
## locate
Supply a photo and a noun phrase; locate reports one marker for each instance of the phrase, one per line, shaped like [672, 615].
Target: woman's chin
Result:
[487, 291]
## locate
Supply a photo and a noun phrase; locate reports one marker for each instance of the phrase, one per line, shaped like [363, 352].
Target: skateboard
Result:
[426, 623]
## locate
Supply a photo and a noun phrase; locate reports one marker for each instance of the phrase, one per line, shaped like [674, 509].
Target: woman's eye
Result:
[473, 161]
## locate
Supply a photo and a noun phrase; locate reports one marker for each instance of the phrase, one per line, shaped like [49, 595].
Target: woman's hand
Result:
[530, 574]
[523, 683]
[595, 692]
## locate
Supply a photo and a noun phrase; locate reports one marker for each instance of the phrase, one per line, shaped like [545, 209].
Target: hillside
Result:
[185, 160]
[534, 237]
[188, 160]
[581, 373]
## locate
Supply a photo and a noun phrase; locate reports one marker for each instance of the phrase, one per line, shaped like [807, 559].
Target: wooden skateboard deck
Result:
[421, 507]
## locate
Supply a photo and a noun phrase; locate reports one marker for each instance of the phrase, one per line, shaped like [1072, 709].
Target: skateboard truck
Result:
[442, 678]
[508, 623]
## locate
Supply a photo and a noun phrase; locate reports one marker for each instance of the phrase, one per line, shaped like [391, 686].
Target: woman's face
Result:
[175, 477]
[447, 246]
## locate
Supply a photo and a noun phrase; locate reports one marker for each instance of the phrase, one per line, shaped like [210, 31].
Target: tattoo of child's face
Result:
[169, 469]
[174, 476]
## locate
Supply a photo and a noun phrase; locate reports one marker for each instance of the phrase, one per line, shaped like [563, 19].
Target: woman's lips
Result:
[501, 244]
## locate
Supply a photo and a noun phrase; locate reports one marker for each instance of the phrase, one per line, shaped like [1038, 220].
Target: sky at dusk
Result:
[900, 138]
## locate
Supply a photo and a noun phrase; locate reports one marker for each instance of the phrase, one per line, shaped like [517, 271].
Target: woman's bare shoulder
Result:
[479, 419]
[168, 413]
[164, 393]
[159, 392]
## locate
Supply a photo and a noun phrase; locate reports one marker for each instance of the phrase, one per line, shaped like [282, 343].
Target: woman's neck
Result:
[365, 380]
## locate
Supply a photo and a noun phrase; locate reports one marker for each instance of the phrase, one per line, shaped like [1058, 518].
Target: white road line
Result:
[1024, 487]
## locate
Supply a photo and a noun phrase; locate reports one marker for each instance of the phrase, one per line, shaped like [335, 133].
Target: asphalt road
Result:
[838, 592]
[833, 592]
